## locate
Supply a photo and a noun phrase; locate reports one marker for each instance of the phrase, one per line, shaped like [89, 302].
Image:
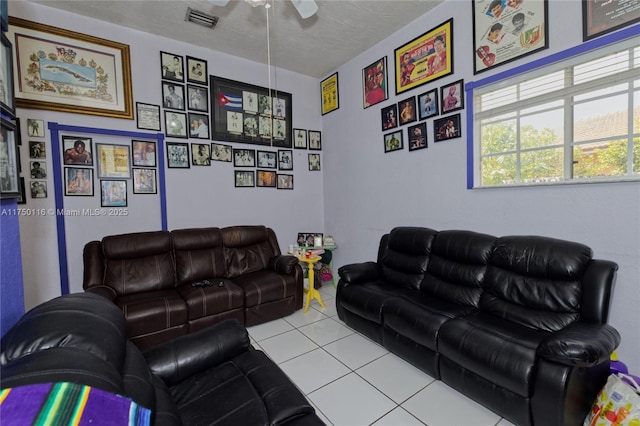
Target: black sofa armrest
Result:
[359, 272]
[581, 344]
[283, 264]
[104, 291]
[180, 358]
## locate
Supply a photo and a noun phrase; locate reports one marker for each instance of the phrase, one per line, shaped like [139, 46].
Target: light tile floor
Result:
[352, 381]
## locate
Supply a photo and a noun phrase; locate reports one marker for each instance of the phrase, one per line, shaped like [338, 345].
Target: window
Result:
[576, 120]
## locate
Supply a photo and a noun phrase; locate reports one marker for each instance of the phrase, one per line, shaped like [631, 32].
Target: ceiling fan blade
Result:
[306, 8]
[218, 2]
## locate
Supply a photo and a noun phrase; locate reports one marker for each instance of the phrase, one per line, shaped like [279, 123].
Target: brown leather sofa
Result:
[173, 283]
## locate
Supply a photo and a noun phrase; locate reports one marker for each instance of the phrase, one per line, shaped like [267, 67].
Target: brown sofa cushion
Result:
[247, 249]
[198, 253]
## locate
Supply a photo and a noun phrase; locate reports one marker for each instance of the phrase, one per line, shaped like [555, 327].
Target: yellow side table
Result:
[312, 293]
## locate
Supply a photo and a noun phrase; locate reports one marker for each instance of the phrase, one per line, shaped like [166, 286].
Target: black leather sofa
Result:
[517, 323]
[209, 377]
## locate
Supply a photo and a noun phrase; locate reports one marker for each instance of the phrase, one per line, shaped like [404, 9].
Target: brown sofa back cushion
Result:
[247, 249]
[199, 254]
[138, 262]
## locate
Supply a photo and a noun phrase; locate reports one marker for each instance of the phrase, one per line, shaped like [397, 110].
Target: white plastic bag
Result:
[617, 403]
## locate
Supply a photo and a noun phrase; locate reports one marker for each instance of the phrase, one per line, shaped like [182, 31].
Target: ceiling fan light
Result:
[256, 3]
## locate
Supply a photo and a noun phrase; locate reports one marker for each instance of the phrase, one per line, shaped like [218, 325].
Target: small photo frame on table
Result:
[173, 96]
[198, 99]
[78, 181]
[172, 66]
[197, 70]
[389, 117]
[221, 152]
[200, 154]
[330, 95]
[113, 193]
[144, 153]
[244, 157]
[77, 151]
[266, 178]
[374, 83]
[285, 181]
[600, 17]
[144, 181]
[407, 110]
[299, 138]
[113, 161]
[244, 178]
[314, 162]
[426, 58]
[175, 124]
[428, 105]
[446, 128]
[267, 160]
[198, 126]
[38, 170]
[393, 141]
[285, 159]
[38, 189]
[177, 155]
[35, 128]
[506, 30]
[417, 136]
[9, 161]
[7, 95]
[452, 96]
[308, 239]
[148, 116]
[37, 150]
[315, 140]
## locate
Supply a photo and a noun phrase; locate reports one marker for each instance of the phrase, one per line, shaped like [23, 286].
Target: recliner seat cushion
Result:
[265, 286]
[153, 311]
[367, 300]
[211, 300]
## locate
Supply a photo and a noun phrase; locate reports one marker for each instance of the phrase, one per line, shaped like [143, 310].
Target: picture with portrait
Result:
[220, 152]
[144, 153]
[428, 104]
[177, 155]
[374, 83]
[176, 124]
[38, 188]
[244, 158]
[200, 154]
[407, 110]
[266, 178]
[37, 150]
[314, 162]
[35, 128]
[285, 159]
[315, 140]
[393, 141]
[452, 96]
[198, 99]
[299, 138]
[113, 193]
[196, 70]
[389, 117]
[144, 181]
[38, 170]
[172, 66]
[78, 181]
[267, 159]
[446, 128]
[173, 96]
[77, 151]
[198, 126]
[417, 136]
[244, 179]
[285, 181]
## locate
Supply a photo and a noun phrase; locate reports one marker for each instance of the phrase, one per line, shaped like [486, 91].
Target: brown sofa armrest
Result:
[93, 260]
[283, 264]
[104, 291]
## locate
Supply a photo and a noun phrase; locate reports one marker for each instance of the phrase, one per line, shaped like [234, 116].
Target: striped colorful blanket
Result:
[68, 404]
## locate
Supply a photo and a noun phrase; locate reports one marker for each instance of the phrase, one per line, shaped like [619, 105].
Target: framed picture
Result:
[374, 83]
[267, 159]
[299, 138]
[446, 128]
[600, 17]
[38, 170]
[417, 136]
[9, 178]
[22, 195]
[175, 124]
[113, 193]
[77, 151]
[285, 159]
[200, 154]
[505, 30]
[37, 150]
[244, 158]
[428, 104]
[266, 178]
[285, 181]
[308, 239]
[425, 58]
[172, 66]
[38, 189]
[35, 128]
[196, 70]
[148, 116]
[173, 95]
[407, 110]
[247, 113]
[389, 117]
[244, 179]
[452, 96]
[198, 99]
[220, 152]
[330, 95]
[77, 181]
[7, 96]
[314, 162]
[144, 153]
[113, 161]
[315, 140]
[198, 126]
[144, 181]
[177, 155]
[393, 141]
[4, 15]
[65, 71]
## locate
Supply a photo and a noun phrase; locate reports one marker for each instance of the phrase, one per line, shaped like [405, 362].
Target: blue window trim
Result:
[605, 40]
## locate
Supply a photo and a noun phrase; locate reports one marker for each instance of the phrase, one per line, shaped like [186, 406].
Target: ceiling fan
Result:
[306, 8]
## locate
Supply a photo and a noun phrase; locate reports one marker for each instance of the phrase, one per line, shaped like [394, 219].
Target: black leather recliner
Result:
[212, 376]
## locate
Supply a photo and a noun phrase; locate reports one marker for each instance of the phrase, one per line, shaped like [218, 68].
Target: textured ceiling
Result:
[315, 46]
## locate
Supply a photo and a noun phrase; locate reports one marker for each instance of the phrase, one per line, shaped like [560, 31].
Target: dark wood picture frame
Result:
[178, 155]
[452, 97]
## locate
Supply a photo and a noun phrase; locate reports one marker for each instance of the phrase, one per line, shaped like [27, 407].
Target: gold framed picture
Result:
[330, 95]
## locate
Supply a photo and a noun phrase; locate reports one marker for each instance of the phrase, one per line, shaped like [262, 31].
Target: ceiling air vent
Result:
[201, 18]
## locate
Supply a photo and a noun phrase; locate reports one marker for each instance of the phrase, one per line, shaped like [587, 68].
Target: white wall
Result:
[196, 197]
[368, 192]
